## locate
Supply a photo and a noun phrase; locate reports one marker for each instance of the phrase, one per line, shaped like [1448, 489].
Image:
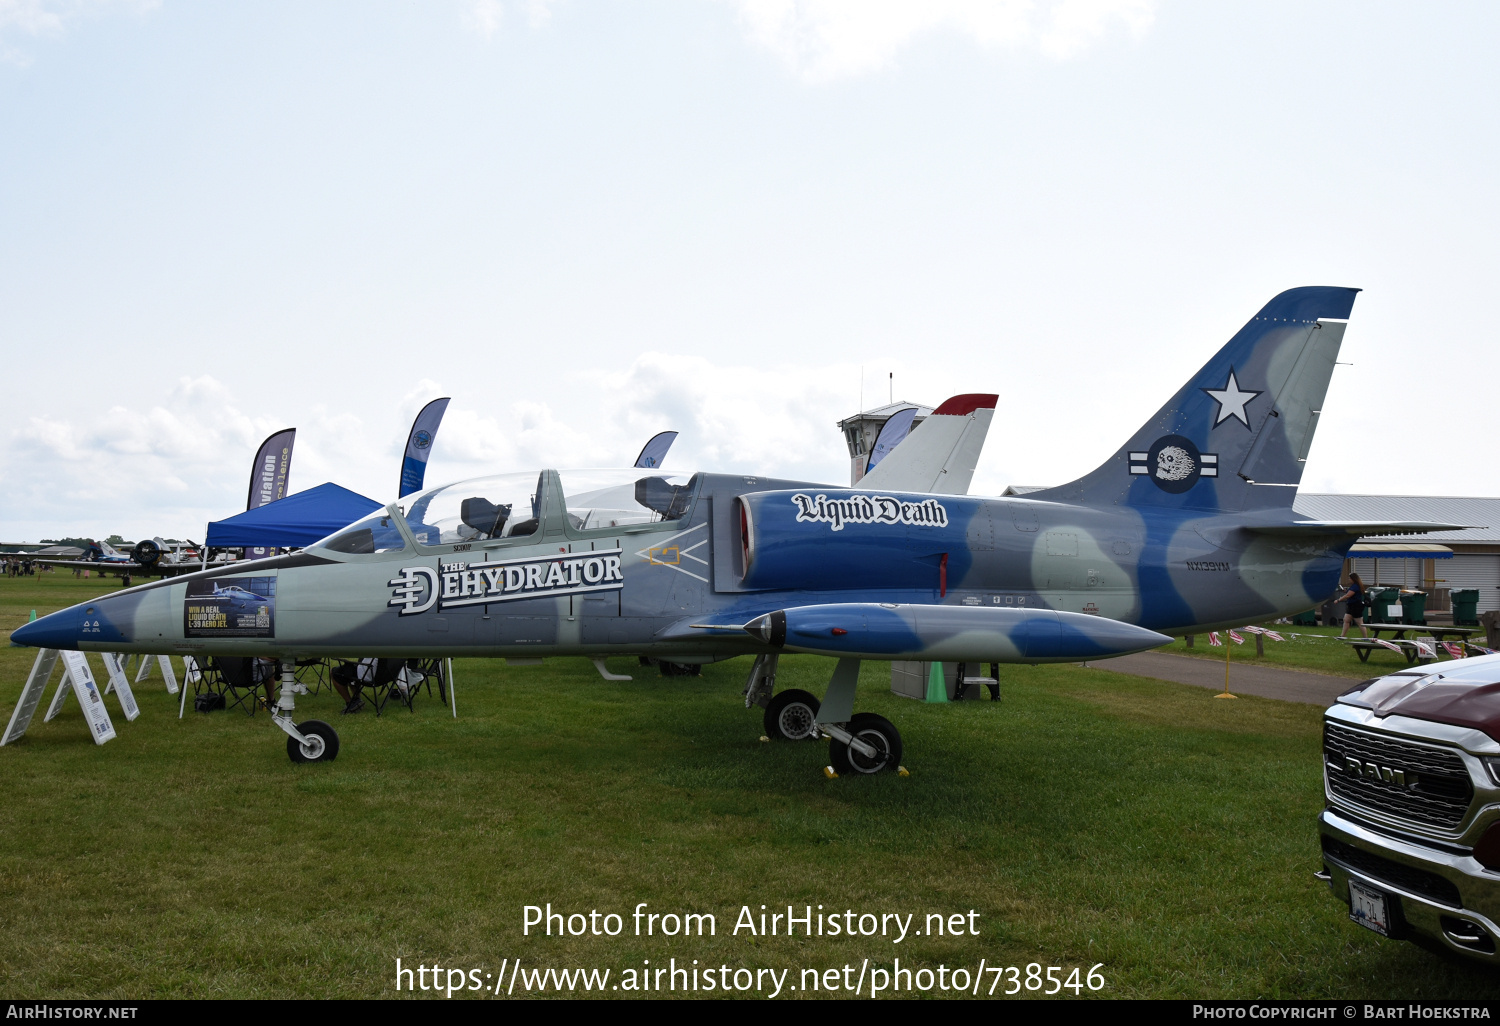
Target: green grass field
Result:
[1089, 817]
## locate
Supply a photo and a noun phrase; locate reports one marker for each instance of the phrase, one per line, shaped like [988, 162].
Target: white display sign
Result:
[31, 695]
[122, 686]
[191, 675]
[115, 666]
[168, 674]
[77, 673]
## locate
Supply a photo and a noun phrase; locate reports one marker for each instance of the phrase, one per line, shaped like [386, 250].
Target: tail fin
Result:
[941, 452]
[1236, 435]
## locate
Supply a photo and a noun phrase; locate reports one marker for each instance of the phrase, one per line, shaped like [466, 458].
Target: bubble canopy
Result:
[515, 507]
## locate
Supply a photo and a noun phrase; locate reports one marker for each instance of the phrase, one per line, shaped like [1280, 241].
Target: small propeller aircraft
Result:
[151, 556]
[1188, 527]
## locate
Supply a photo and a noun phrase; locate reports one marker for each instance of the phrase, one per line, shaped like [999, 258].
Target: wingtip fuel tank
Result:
[874, 630]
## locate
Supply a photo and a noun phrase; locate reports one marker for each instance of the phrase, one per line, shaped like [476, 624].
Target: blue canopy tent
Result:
[299, 519]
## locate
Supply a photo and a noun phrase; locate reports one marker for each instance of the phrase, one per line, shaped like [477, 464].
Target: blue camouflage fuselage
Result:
[741, 550]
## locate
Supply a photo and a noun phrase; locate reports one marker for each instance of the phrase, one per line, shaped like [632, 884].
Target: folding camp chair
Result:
[375, 676]
[412, 677]
[243, 678]
[312, 674]
[206, 681]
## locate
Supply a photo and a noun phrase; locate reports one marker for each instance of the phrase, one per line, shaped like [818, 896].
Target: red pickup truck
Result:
[1411, 824]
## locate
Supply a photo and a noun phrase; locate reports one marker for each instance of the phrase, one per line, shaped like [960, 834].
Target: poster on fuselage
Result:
[230, 607]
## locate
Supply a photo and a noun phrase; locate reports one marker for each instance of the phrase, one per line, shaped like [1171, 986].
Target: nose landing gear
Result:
[320, 743]
[311, 740]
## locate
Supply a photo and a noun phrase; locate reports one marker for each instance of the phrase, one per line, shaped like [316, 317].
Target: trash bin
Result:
[1414, 608]
[1381, 601]
[1307, 619]
[1465, 607]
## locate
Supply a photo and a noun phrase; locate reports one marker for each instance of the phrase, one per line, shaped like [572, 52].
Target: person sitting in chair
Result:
[348, 677]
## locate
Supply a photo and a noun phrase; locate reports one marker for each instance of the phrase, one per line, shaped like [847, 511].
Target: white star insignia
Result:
[1232, 400]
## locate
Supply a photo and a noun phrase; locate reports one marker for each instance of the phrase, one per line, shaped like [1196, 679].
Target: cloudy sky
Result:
[589, 220]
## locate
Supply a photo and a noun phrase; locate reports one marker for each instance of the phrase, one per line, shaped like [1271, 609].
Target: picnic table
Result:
[1409, 646]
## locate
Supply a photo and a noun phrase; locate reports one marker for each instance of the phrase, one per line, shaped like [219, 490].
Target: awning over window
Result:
[1400, 550]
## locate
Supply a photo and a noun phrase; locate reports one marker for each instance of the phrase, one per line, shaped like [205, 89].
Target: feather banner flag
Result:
[419, 445]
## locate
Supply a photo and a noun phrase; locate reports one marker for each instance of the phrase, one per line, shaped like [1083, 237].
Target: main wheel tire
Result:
[875, 731]
[323, 743]
[791, 716]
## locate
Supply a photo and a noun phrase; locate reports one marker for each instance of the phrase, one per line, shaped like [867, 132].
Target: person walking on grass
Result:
[1354, 613]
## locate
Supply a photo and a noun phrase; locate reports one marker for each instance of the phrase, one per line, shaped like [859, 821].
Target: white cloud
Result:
[487, 17]
[37, 18]
[828, 39]
[777, 420]
[171, 466]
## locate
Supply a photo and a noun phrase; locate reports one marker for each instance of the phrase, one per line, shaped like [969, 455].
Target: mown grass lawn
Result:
[1089, 817]
[1314, 649]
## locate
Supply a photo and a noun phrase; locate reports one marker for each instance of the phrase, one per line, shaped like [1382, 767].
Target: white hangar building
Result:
[1437, 563]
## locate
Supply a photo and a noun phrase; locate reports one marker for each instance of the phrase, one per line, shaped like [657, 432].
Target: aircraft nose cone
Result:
[55, 630]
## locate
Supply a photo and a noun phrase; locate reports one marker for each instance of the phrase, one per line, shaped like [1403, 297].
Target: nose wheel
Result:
[310, 740]
[319, 743]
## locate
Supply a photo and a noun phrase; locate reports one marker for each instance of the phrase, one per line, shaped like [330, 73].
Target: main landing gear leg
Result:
[762, 681]
[862, 742]
[311, 740]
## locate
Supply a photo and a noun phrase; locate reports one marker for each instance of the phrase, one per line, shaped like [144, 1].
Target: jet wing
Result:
[1358, 528]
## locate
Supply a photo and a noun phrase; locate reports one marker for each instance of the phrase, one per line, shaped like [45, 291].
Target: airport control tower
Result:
[862, 430]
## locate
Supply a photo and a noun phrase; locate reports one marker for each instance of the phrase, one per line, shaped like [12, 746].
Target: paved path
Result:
[1244, 679]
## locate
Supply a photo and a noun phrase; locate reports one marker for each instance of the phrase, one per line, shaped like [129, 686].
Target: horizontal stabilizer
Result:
[1359, 528]
[940, 454]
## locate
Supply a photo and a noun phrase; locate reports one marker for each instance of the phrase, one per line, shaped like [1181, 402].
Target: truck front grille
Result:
[1425, 785]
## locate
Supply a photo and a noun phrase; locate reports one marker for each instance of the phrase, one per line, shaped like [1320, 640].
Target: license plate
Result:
[1368, 908]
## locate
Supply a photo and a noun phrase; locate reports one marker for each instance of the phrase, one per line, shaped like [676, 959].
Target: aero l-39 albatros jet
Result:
[1188, 527]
